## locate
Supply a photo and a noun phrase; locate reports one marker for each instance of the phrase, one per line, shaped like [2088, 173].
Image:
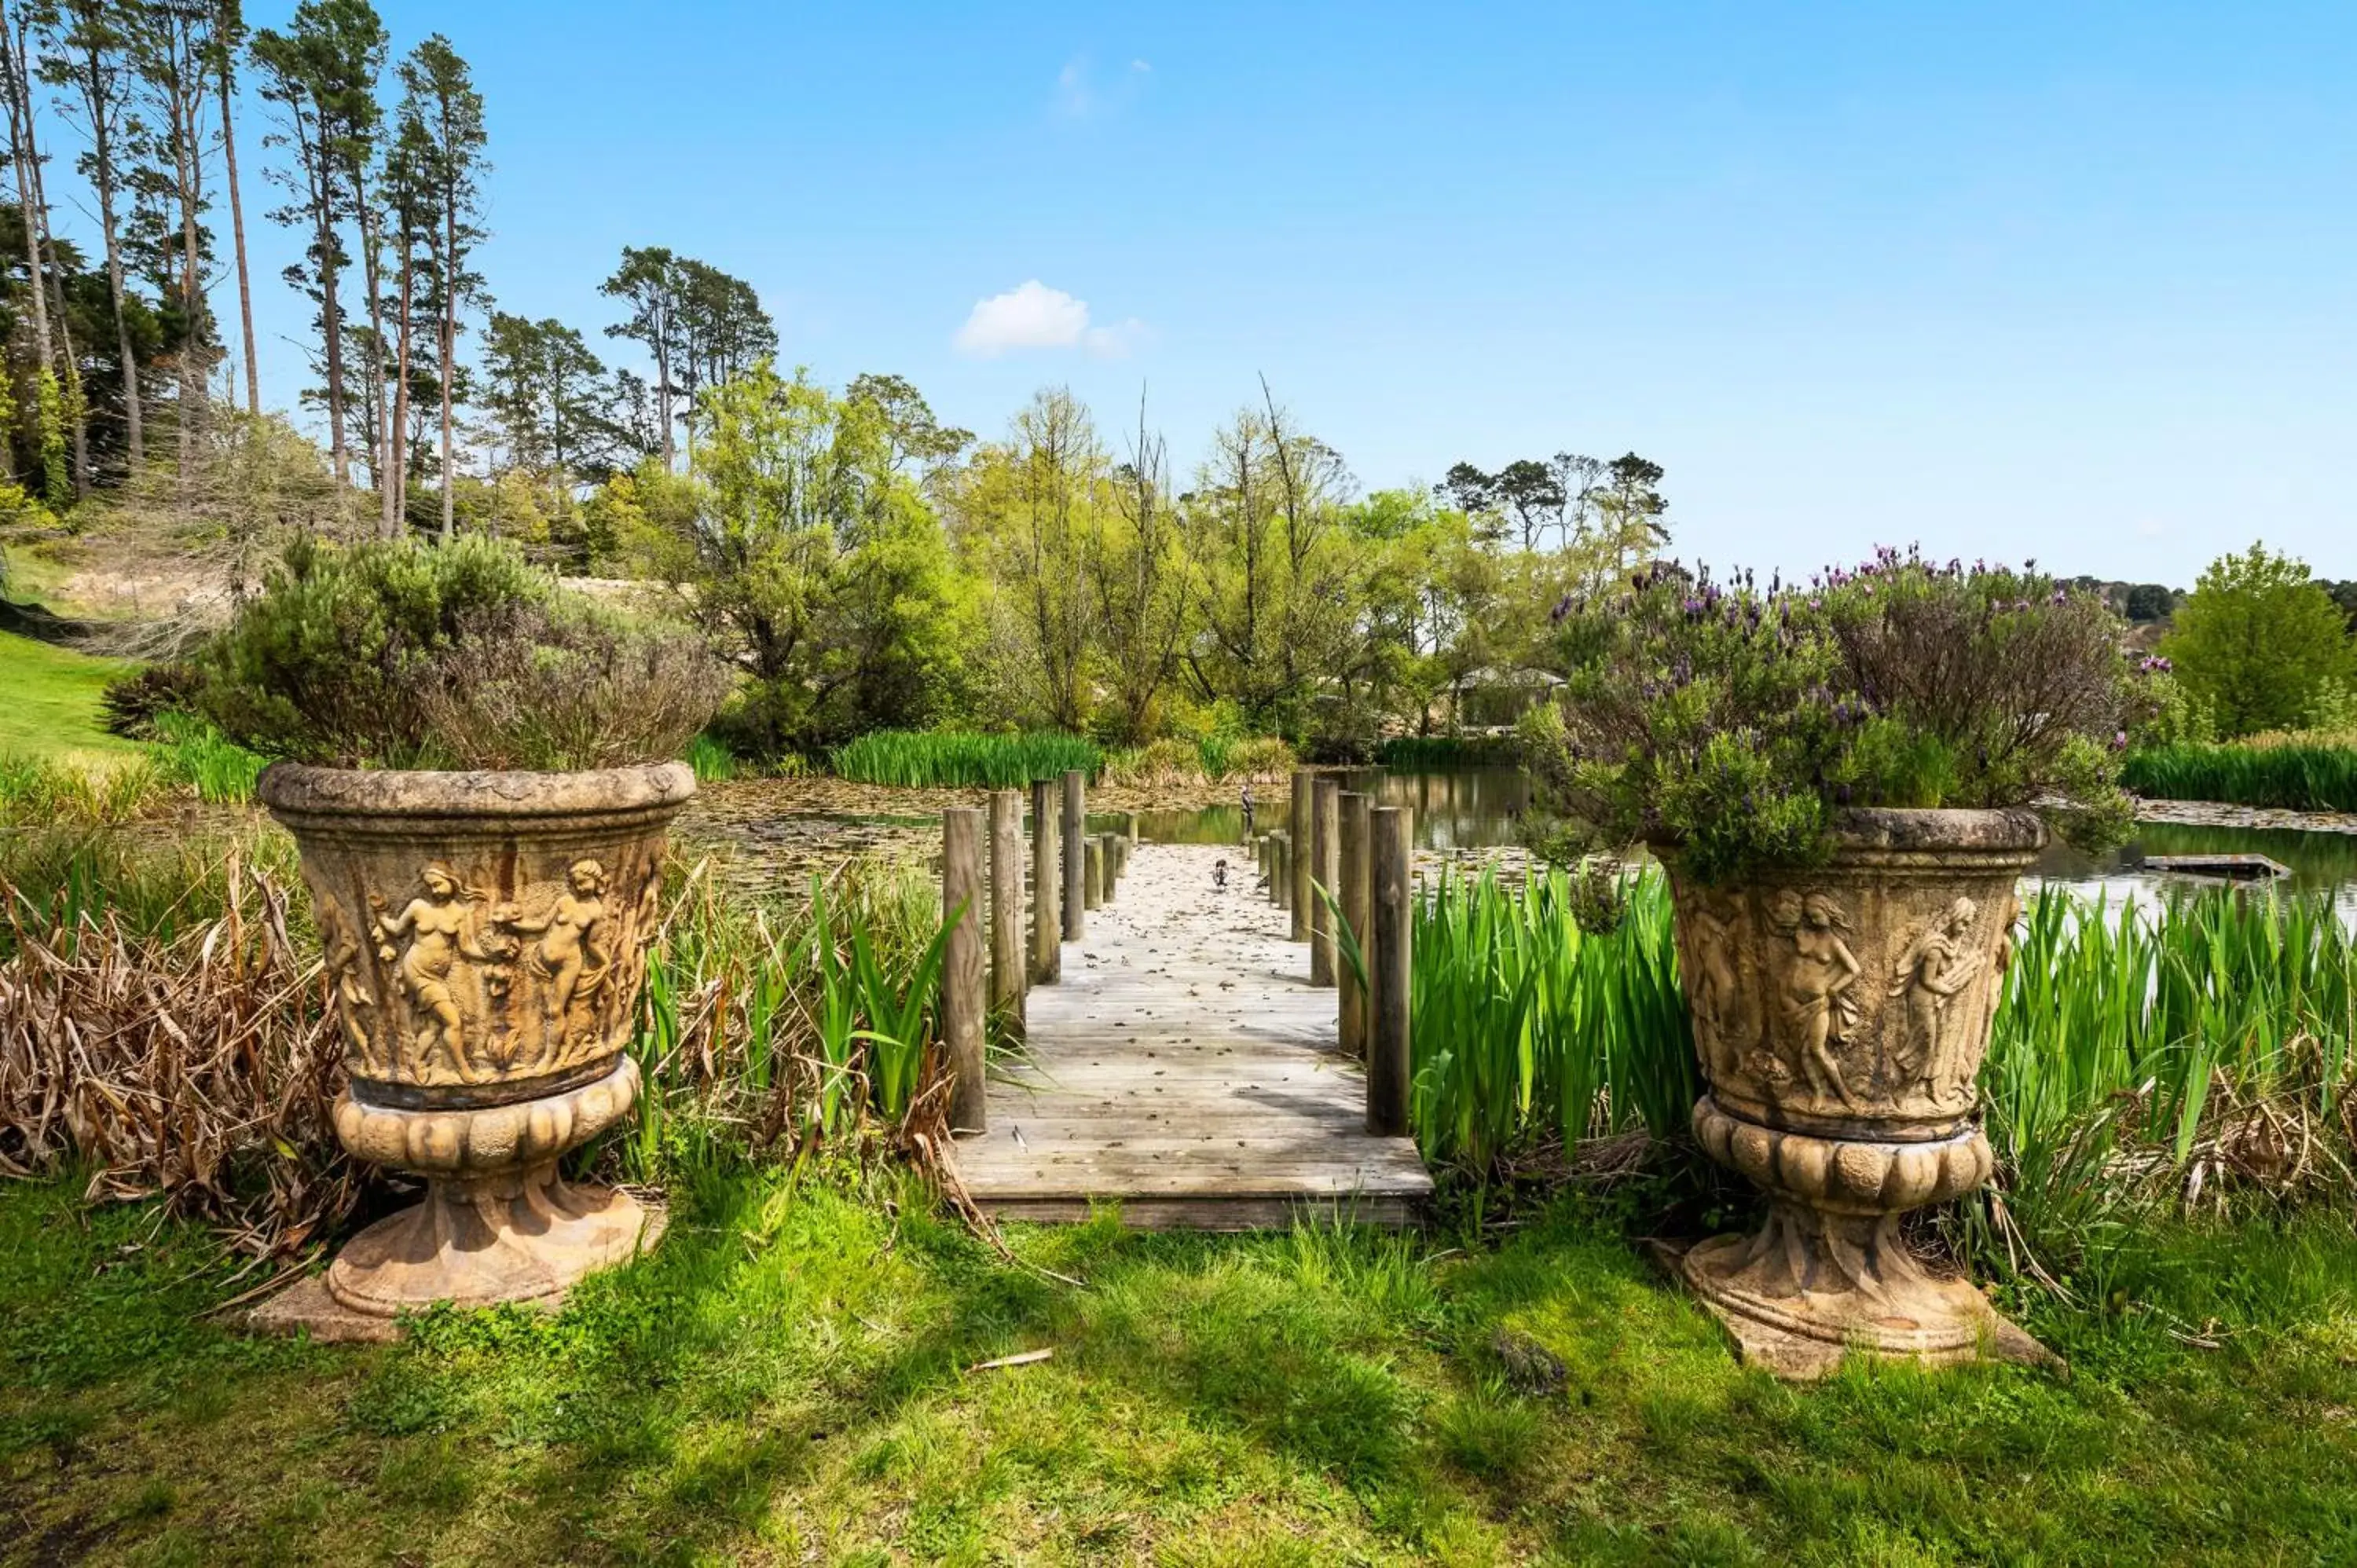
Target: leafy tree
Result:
[2148, 602]
[2255, 640]
[2344, 594]
[548, 393]
[649, 279]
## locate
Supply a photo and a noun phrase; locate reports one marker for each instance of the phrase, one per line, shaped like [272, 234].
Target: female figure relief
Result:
[436, 926]
[567, 959]
[1819, 1003]
[1717, 994]
[1934, 970]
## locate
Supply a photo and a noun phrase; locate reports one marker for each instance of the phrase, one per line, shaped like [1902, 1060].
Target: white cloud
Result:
[1033, 316]
[1074, 98]
[1080, 96]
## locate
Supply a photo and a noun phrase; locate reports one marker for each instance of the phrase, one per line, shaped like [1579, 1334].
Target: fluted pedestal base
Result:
[1809, 1286]
[520, 1237]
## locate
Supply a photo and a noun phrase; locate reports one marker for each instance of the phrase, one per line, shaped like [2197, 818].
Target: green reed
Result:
[190, 751]
[2298, 778]
[786, 1021]
[962, 759]
[2148, 1059]
[1527, 1029]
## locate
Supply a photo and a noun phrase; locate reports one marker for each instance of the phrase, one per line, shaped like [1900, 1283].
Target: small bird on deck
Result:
[1220, 874]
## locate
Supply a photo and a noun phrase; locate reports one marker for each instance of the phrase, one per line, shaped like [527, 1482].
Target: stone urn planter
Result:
[485, 938]
[1841, 1015]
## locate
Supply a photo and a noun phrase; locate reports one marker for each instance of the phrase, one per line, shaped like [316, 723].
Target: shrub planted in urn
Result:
[1845, 781]
[475, 769]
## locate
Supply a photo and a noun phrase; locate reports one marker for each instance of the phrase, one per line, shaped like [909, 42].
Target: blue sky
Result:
[2067, 280]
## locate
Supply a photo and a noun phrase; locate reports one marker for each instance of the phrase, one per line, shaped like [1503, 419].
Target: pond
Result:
[1477, 808]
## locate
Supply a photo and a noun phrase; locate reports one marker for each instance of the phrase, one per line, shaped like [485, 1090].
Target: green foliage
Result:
[190, 751]
[1527, 1029]
[2137, 1043]
[1729, 725]
[49, 417]
[2256, 639]
[397, 654]
[953, 759]
[798, 541]
[2164, 713]
[711, 759]
[2299, 777]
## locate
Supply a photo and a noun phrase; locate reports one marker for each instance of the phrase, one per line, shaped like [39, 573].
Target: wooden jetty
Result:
[1185, 1067]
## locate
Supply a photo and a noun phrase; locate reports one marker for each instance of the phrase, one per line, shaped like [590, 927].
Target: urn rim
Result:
[303, 790]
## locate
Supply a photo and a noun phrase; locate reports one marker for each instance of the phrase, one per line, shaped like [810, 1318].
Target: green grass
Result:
[52, 712]
[791, 1377]
[2290, 777]
[953, 759]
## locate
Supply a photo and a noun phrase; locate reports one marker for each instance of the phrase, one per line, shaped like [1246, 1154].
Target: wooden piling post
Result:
[1353, 892]
[1047, 887]
[961, 1003]
[1007, 982]
[1390, 840]
[1280, 882]
[1324, 859]
[1075, 822]
[1091, 871]
[1299, 843]
[1260, 858]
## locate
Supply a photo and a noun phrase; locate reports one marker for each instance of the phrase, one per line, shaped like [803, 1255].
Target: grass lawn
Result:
[49, 702]
[789, 1379]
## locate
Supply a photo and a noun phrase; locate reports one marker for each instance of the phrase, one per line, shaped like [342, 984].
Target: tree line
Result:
[872, 567]
[377, 165]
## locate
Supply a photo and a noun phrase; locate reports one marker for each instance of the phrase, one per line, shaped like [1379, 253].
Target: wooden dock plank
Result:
[1186, 1068]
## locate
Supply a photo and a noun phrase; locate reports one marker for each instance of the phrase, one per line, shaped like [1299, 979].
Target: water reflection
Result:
[1477, 808]
[1471, 808]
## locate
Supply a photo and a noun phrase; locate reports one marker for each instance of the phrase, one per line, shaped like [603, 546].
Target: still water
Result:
[1478, 808]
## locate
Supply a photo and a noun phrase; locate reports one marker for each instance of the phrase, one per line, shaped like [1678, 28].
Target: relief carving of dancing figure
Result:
[1718, 992]
[570, 960]
[439, 927]
[1820, 988]
[1931, 976]
[340, 946]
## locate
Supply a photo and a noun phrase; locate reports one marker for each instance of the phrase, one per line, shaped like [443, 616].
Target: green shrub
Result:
[959, 759]
[1166, 761]
[133, 703]
[1728, 725]
[397, 654]
[1262, 756]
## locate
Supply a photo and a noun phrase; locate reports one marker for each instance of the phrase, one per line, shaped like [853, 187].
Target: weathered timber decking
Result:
[1186, 1068]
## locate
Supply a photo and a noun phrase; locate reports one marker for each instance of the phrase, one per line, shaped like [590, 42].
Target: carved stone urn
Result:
[1841, 1015]
[485, 938]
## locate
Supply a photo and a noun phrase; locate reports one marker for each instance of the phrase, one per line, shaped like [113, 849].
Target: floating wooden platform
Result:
[2233, 867]
[1186, 1068]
